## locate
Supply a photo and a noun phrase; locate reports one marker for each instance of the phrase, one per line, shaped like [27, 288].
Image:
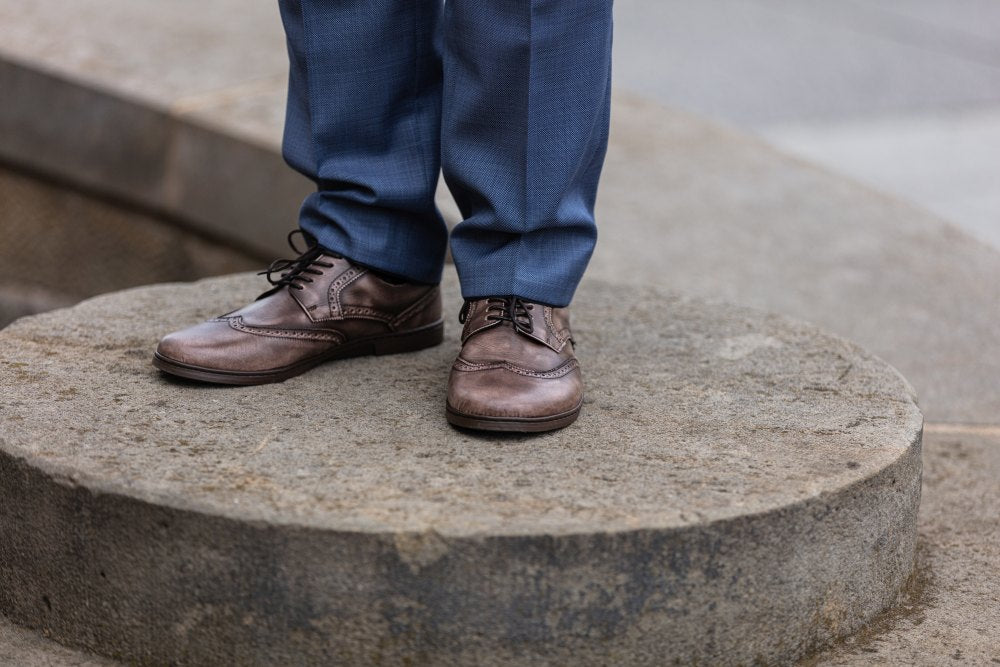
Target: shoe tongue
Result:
[506, 344]
[478, 322]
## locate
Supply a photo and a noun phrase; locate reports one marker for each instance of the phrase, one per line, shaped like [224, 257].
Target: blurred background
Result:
[903, 96]
[139, 139]
[838, 162]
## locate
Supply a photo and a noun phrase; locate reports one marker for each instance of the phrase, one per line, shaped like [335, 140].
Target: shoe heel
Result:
[410, 342]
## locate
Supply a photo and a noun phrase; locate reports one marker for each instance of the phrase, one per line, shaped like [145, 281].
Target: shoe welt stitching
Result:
[365, 311]
[329, 336]
[463, 365]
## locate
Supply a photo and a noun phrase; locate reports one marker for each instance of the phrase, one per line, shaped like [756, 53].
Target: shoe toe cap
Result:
[209, 344]
[503, 393]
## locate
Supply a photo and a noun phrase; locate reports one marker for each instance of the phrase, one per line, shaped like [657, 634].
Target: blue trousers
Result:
[509, 99]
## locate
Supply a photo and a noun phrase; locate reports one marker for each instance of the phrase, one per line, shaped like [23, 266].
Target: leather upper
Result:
[506, 371]
[341, 302]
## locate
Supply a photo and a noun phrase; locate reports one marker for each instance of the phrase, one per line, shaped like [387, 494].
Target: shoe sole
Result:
[409, 341]
[512, 424]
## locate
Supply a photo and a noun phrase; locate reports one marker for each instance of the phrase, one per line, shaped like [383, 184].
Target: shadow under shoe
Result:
[321, 307]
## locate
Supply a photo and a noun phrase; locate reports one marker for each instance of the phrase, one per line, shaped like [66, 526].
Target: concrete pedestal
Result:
[740, 487]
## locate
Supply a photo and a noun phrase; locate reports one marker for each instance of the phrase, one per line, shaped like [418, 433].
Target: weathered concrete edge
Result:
[73, 477]
[23, 647]
[55, 578]
[854, 546]
[66, 477]
[220, 183]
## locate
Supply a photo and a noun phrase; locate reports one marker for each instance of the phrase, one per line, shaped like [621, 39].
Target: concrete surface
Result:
[60, 246]
[712, 212]
[23, 648]
[145, 155]
[946, 162]
[951, 612]
[216, 524]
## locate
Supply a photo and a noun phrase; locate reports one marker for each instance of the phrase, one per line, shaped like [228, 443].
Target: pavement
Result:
[947, 162]
[950, 613]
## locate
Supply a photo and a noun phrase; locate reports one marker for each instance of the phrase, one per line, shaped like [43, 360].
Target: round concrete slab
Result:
[739, 488]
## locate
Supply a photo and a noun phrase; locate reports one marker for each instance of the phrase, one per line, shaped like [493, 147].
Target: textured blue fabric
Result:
[510, 98]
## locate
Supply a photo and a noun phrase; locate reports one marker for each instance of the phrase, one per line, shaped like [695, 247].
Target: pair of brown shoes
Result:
[516, 370]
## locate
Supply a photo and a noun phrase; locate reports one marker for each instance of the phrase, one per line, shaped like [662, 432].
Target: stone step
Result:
[740, 487]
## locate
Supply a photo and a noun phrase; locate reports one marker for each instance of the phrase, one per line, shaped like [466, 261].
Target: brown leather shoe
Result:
[516, 370]
[322, 307]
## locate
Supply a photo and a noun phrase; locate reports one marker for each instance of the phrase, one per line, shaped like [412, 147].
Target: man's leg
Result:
[363, 122]
[525, 130]
[524, 133]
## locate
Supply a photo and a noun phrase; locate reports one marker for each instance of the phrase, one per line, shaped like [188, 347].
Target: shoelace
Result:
[294, 272]
[505, 308]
